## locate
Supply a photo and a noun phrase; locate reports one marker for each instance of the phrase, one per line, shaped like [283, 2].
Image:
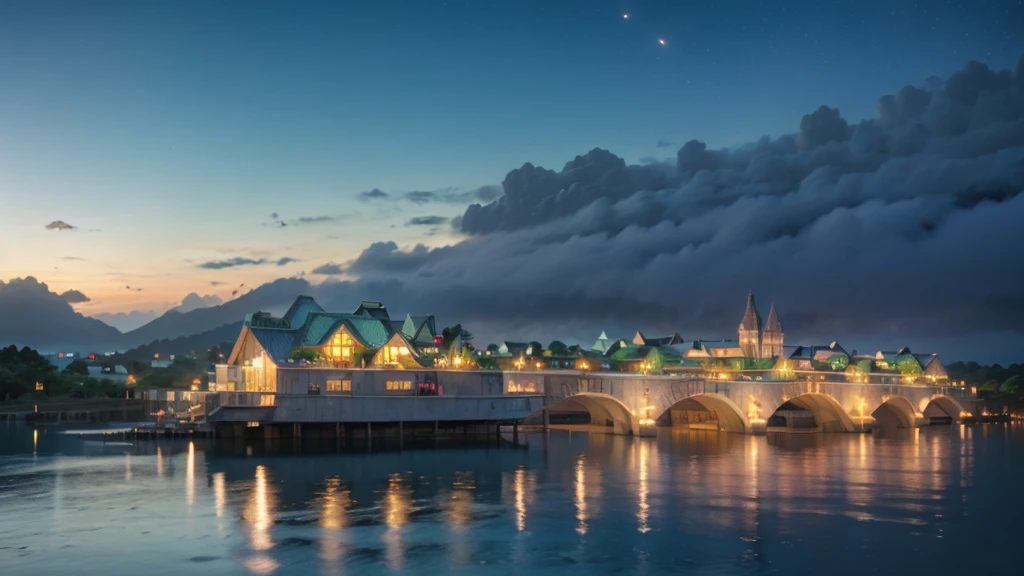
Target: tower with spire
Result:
[773, 336]
[750, 330]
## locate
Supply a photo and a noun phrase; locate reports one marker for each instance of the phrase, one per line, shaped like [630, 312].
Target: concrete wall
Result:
[354, 409]
[374, 382]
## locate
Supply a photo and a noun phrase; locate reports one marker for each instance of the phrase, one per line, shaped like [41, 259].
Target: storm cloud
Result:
[899, 229]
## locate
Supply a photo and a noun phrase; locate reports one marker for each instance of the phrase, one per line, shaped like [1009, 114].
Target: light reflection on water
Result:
[699, 502]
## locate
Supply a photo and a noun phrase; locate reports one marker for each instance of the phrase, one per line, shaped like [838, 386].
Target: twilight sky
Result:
[199, 146]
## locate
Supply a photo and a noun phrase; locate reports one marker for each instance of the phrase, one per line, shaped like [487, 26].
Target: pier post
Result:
[515, 432]
[547, 420]
[435, 427]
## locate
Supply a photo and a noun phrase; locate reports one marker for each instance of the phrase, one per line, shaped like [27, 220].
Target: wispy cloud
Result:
[240, 261]
[426, 221]
[663, 144]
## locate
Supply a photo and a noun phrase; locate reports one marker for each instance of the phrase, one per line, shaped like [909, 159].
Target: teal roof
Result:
[370, 332]
[300, 310]
[277, 343]
[307, 324]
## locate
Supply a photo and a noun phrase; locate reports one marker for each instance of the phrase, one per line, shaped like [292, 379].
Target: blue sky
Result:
[175, 129]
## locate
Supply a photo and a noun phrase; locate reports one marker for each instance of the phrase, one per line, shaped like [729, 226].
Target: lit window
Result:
[339, 385]
[397, 385]
[170, 396]
[339, 347]
[267, 400]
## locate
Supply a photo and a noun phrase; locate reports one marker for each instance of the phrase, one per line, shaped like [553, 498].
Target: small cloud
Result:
[73, 259]
[280, 223]
[129, 288]
[375, 194]
[284, 261]
[663, 143]
[329, 269]
[273, 215]
[426, 221]
[420, 196]
[316, 219]
[60, 225]
[74, 297]
[216, 283]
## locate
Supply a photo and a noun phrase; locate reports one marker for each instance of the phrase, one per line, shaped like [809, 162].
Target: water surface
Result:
[941, 500]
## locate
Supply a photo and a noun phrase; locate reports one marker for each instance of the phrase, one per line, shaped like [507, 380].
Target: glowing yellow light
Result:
[39, 386]
[403, 351]
[458, 360]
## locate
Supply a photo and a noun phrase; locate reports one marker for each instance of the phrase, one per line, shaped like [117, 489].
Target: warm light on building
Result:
[39, 386]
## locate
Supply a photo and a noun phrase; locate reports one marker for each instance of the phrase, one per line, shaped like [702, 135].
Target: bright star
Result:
[660, 41]
[625, 16]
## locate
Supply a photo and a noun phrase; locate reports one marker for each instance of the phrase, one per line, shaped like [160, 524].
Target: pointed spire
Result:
[773, 324]
[751, 319]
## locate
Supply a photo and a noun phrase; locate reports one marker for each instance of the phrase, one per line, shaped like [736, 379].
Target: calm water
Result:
[941, 500]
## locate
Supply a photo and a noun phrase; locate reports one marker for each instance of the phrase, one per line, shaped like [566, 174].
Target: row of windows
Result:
[521, 386]
[396, 385]
[339, 385]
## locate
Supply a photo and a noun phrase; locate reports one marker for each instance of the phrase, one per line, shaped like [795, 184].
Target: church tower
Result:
[750, 330]
[773, 336]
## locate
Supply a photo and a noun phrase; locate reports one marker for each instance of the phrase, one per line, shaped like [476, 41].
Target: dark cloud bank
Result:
[905, 228]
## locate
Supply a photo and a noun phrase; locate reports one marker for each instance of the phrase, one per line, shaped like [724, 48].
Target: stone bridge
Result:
[629, 403]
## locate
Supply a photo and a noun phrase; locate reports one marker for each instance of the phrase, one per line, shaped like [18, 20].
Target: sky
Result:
[208, 147]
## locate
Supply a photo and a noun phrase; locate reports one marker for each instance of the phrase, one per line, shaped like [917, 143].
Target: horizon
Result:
[166, 161]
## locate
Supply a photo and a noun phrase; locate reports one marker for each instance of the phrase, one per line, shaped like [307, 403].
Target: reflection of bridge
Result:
[629, 403]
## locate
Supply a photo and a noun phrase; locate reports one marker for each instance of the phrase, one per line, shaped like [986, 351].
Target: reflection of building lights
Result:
[643, 511]
[396, 514]
[190, 475]
[581, 495]
[35, 440]
[336, 500]
[219, 493]
[520, 481]
[259, 512]
[159, 463]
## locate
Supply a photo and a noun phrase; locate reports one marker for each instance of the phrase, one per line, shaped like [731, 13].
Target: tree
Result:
[536, 349]
[574, 350]
[558, 348]
[492, 347]
[78, 366]
[307, 354]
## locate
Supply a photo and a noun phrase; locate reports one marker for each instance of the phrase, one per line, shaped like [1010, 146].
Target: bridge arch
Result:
[897, 411]
[728, 416]
[603, 409]
[942, 407]
[829, 415]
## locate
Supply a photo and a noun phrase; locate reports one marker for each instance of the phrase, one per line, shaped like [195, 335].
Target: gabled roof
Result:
[603, 343]
[419, 329]
[513, 348]
[751, 319]
[300, 310]
[277, 343]
[375, 310]
[800, 352]
[632, 352]
[773, 324]
[400, 339]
